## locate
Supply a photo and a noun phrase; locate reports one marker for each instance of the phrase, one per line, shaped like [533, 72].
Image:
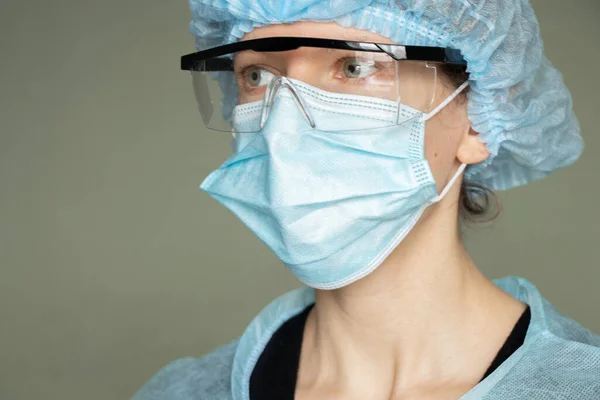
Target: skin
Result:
[426, 324]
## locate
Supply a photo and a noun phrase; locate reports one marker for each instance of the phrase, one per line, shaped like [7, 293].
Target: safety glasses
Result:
[248, 73]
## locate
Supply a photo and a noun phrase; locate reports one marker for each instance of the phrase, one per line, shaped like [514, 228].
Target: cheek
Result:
[441, 146]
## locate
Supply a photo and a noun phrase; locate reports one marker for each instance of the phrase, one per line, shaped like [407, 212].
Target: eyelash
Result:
[340, 63]
[240, 72]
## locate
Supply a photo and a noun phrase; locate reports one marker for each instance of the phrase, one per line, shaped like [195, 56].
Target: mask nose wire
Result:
[271, 93]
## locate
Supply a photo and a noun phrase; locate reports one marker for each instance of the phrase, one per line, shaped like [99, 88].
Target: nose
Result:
[305, 70]
[283, 83]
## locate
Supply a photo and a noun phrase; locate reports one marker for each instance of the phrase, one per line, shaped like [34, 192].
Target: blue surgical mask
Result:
[332, 205]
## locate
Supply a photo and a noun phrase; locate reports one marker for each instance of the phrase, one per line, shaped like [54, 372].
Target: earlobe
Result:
[471, 149]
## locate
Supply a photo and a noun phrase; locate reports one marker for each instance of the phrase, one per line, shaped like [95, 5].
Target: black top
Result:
[275, 373]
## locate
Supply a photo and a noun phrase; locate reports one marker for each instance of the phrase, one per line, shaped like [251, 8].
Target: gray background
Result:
[114, 263]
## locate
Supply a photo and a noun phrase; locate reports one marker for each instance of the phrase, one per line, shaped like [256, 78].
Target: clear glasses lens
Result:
[357, 73]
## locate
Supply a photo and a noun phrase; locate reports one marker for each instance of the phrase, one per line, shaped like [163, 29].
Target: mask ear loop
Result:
[449, 185]
[444, 103]
[431, 115]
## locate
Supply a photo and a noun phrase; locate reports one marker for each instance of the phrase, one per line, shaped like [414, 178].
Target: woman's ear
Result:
[471, 150]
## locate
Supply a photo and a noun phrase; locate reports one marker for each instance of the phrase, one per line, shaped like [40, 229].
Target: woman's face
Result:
[448, 137]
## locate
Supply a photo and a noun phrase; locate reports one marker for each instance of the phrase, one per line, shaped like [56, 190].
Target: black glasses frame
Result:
[213, 60]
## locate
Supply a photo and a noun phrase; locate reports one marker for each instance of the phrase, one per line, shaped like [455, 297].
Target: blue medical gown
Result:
[559, 359]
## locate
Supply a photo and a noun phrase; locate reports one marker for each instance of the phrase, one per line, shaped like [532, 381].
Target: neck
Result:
[425, 315]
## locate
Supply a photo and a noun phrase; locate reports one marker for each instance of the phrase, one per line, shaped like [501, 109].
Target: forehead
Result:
[329, 30]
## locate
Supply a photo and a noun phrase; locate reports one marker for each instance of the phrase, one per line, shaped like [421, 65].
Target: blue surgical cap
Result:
[518, 102]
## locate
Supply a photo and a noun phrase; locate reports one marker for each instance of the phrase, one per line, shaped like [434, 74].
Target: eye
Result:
[256, 76]
[354, 68]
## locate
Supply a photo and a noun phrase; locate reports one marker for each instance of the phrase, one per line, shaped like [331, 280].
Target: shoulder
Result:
[207, 377]
[553, 367]
[567, 328]
[563, 360]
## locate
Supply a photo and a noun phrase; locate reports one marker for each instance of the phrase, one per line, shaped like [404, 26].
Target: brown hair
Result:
[477, 203]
